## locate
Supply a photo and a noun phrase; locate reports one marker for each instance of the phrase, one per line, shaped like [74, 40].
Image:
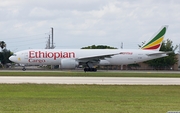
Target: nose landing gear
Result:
[24, 69]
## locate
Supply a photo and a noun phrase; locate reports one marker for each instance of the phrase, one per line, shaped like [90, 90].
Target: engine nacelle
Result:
[69, 63]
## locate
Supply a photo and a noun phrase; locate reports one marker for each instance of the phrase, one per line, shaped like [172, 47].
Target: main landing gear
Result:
[24, 69]
[90, 69]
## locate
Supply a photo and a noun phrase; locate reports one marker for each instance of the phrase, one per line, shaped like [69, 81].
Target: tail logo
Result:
[155, 43]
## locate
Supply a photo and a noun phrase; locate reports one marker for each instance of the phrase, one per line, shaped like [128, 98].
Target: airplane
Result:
[89, 58]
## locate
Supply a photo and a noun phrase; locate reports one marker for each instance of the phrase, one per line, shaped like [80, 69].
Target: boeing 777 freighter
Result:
[89, 58]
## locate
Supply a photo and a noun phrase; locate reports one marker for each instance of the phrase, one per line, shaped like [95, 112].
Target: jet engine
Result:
[69, 63]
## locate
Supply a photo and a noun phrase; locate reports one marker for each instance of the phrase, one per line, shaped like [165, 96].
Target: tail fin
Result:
[156, 41]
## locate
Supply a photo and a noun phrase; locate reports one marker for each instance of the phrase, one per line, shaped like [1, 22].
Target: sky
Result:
[26, 24]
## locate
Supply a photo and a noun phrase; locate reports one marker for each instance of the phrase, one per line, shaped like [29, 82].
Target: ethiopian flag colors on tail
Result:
[156, 41]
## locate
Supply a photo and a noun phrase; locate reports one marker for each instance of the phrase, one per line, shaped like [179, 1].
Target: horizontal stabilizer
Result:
[160, 53]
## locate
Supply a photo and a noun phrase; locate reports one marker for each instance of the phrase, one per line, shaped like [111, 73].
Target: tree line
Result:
[4, 55]
[165, 62]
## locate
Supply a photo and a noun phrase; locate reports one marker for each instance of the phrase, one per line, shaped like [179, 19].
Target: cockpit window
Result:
[14, 55]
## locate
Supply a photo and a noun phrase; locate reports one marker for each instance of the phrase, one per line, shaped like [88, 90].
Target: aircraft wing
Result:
[96, 57]
[160, 53]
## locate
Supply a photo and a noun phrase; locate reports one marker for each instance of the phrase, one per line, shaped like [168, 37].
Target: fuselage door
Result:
[25, 55]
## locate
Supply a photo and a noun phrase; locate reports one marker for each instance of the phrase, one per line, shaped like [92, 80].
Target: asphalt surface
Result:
[90, 80]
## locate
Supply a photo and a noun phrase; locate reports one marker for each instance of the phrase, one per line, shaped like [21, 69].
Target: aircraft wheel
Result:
[24, 69]
[85, 69]
[95, 69]
[90, 69]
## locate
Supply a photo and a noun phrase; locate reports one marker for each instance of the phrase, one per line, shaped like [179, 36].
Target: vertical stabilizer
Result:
[156, 41]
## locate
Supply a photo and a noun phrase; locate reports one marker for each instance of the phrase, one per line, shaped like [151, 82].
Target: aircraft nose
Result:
[11, 58]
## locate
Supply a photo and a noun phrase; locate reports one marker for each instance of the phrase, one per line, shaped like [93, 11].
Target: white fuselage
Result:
[55, 56]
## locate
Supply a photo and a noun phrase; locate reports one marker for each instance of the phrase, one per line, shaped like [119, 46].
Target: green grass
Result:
[44, 98]
[91, 74]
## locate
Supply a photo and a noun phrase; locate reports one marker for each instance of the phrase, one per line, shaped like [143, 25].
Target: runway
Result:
[90, 80]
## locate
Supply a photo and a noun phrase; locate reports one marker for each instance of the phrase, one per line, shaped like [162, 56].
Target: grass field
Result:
[34, 98]
[91, 74]
[45, 98]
